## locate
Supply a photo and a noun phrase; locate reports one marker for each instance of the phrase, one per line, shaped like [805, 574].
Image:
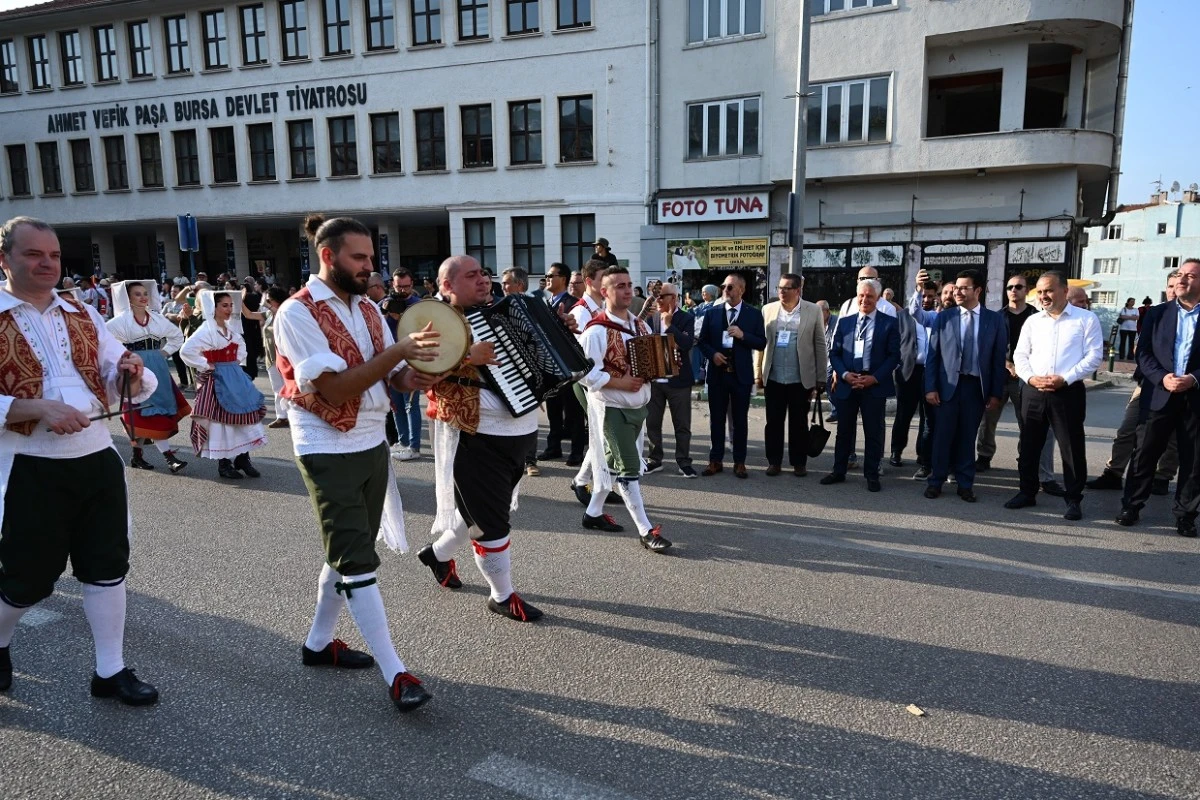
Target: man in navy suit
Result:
[964, 374]
[1170, 365]
[863, 355]
[729, 335]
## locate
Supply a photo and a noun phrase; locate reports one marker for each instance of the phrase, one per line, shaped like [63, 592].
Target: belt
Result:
[461, 381]
[146, 344]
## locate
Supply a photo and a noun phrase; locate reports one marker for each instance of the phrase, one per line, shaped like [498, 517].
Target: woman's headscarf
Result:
[208, 303]
[120, 296]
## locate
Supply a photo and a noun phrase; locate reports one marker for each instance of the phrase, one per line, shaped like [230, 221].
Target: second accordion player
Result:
[654, 356]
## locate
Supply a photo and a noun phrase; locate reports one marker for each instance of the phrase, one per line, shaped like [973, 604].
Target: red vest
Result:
[616, 354]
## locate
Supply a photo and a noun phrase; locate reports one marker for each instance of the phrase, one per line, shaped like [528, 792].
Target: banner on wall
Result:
[693, 254]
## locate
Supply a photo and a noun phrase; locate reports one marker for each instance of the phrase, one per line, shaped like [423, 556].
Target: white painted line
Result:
[37, 617]
[537, 783]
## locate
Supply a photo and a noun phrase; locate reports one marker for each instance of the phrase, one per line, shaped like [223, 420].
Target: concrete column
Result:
[389, 237]
[1075, 91]
[102, 249]
[1012, 98]
[241, 254]
[168, 237]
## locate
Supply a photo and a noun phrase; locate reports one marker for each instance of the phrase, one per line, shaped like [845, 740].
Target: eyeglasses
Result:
[964, 289]
[728, 288]
[789, 288]
[1016, 287]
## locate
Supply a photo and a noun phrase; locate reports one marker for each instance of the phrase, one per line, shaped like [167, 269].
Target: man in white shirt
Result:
[591, 304]
[1058, 348]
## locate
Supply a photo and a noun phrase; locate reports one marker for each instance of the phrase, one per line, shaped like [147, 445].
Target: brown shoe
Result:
[281, 422]
[773, 470]
[713, 468]
[740, 471]
[800, 472]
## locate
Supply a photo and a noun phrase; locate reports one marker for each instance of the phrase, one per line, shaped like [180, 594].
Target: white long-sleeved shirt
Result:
[1071, 346]
[126, 328]
[595, 344]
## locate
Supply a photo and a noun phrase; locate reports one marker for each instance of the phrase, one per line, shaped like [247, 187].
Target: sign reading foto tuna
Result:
[710, 208]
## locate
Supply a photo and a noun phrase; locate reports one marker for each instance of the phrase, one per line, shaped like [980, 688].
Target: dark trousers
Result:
[347, 492]
[910, 401]
[574, 424]
[554, 415]
[874, 431]
[679, 400]
[486, 468]
[254, 351]
[180, 369]
[726, 394]
[787, 402]
[954, 442]
[1179, 419]
[1063, 412]
[1127, 339]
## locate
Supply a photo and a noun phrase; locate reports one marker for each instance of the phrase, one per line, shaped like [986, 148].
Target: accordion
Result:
[538, 354]
[654, 356]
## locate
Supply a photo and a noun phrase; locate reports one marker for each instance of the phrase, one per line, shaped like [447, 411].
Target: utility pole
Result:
[799, 161]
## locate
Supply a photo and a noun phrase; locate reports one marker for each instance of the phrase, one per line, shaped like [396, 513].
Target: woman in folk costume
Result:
[228, 414]
[144, 330]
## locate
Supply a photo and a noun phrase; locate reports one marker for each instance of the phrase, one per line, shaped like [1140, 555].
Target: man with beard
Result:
[336, 355]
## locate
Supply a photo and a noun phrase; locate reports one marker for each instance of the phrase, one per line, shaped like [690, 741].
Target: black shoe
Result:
[242, 462]
[1020, 500]
[688, 471]
[933, 492]
[896, 460]
[1186, 527]
[444, 572]
[983, 464]
[832, 478]
[225, 470]
[966, 495]
[336, 654]
[125, 687]
[407, 692]
[515, 608]
[137, 462]
[5, 670]
[653, 467]
[1054, 489]
[922, 473]
[654, 541]
[613, 497]
[549, 455]
[873, 485]
[583, 493]
[1160, 487]
[1106, 481]
[574, 461]
[1074, 513]
[1128, 517]
[173, 461]
[604, 522]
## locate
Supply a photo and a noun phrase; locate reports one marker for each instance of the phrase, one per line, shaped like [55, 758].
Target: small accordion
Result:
[654, 356]
[538, 354]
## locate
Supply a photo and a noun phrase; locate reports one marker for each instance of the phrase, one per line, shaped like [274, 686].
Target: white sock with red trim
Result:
[495, 563]
[104, 607]
[329, 606]
[450, 541]
[585, 472]
[631, 492]
[596, 504]
[366, 606]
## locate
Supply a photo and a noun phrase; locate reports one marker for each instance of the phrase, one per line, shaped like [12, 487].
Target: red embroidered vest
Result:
[456, 404]
[616, 355]
[21, 373]
[342, 345]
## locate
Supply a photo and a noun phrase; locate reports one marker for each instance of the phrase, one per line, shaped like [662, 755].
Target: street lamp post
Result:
[799, 162]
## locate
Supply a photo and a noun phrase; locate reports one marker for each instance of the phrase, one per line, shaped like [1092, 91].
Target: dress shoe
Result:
[549, 455]
[773, 470]
[1054, 489]
[582, 492]
[832, 478]
[444, 572]
[532, 470]
[407, 692]
[5, 670]
[922, 473]
[966, 495]
[713, 468]
[125, 687]
[983, 464]
[514, 608]
[137, 462]
[1074, 512]
[1160, 487]
[1129, 517]
[873, 485]
[1106, 481]
[896, 460]
[604, 522]
[654, 541]
[1186, 527]
[613, 497]
[653, 467]
[336, 654]
[800, 472]
[933, 492]
[242, 463]
[281, 422]
[574, 461]
[1020, 500]
[173, 461]
[739, 471]
[225, 469]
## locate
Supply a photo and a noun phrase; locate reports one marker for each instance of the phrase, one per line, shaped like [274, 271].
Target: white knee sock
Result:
[329, 605]
[9, 617]
[495, 563]
[366, 606]
[164, 445]
[450, 541]
[585, 473]
[596, 504]
[631, 493]
[104, 607]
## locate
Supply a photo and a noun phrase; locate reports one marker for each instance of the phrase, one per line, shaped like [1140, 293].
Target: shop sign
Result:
[689, 254]
[954, 256]
[709, 208]
[1037, 253]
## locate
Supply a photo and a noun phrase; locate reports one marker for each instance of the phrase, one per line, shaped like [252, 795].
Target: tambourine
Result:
[450, 324]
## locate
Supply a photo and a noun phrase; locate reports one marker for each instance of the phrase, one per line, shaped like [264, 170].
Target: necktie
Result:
[864, 325]
[968, 347]
[732, 316]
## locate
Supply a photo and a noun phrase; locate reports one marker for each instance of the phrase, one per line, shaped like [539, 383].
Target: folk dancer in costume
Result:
[144, 330]
[335, 353]
[227, 418]
[591, 304]
[479, 452]
[60, 369]
[617, 410]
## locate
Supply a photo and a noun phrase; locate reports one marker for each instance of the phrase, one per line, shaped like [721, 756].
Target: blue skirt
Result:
[236, 393]
[162, 402]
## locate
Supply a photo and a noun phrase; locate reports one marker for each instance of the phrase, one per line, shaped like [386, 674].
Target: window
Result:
[1162, 228]
[820, 7]
[481, 241]
[337, 27]
[1114, 232]
[578, 233]
[431, 139]
[114, 163]
[1171, 263]
[381, 25]
[385, 142]
[70, 50]
[216, 41]
[150, 157]
[525, 132]
[141, 52]
[81, 165]
[477, 136]
[852, 112]
[8, 68]
[522, 16]
[723, 128]
[1104, 298]
[716, 19]
[224, 155]
[1047, 83]
[39, 62]
[18, 169]
[426, 21]
[964, 104]
[529, 243]
[178, 60]
[51, 170]
[302, 147]
[343, 146]
[473, 19]
[187, 158]
[254, 34]
[262, 151]
[105, 39]
[575, 129]
[574, 14]
[293, 25]
[1106, 266]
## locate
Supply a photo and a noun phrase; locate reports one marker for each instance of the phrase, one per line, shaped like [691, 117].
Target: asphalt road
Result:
[771, 654]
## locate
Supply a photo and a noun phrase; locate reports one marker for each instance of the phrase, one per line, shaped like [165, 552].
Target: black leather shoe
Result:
[515, 608]
[1020, 500]
[574, 461]
[336, 654]
[832, 478]
[873, 485]
[549, 455]
[613, 497]
[407, 692]
[1186, 527]
[125, 687]
[173, 461]
[1054, 489]
[983, 464]
[1128, 517]
[444, 572]
[5, 670]
[137, 462]
[966, 495]
[583, 493]
[933, 492]
[922, 473]
[242, 462]
[604, 522]
[1160, 487]
[654, 541]
[896, 460]
[225, 470]
[1074, 512]
[1106, 481]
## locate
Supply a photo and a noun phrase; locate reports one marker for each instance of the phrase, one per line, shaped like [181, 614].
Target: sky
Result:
[1162, 113]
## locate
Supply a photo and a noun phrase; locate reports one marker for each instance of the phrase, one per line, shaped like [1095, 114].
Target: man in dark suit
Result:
[964, 374]
[1170, 365]
[863, 355]
[566, 418]
[729, 335]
